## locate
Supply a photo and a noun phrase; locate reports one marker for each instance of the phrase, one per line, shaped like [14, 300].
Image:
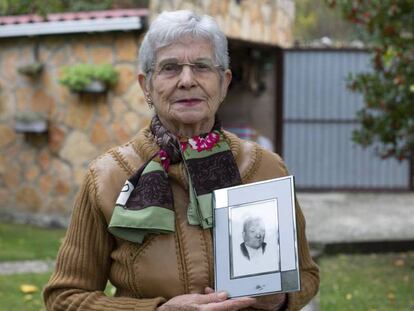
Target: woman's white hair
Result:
[170, 27]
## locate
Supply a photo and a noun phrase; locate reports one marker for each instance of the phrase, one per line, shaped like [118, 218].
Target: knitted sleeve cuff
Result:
[149, 304]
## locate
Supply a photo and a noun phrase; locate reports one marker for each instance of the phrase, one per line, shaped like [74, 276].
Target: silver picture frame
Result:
[255, 238]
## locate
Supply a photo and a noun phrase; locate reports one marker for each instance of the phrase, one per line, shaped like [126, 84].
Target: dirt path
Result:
[26, 266]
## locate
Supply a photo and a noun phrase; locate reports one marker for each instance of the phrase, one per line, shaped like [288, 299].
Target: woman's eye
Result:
[170, 68]
[202, 66]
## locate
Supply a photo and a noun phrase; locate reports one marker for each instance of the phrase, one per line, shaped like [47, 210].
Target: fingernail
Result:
[222, 295]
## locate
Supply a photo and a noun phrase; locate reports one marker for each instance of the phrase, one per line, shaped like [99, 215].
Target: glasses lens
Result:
[203, 67]
[170, 69]
[174, 69]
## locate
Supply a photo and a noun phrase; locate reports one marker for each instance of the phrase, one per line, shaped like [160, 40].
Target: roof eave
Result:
[72, 26]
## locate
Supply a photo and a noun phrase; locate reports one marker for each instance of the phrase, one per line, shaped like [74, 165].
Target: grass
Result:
[378, 282]
[374, 282]
[25, 242]
[13, 299]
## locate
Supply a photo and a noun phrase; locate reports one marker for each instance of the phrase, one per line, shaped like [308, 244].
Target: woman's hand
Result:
[270, 302]
[210, 301]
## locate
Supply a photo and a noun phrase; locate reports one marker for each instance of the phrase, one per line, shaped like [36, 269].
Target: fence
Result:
[318, 118]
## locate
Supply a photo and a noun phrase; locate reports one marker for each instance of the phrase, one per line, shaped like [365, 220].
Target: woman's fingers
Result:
[192, 301]
[212, 297]
[230, 304]
[226, 304]
[270, 302]
[207, 302]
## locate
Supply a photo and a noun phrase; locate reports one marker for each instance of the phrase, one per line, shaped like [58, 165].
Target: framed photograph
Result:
[255, 240]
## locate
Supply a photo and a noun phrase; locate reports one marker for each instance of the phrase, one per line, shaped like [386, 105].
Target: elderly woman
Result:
[142, 219]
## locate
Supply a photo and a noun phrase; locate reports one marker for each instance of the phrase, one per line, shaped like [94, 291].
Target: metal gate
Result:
[318, 119]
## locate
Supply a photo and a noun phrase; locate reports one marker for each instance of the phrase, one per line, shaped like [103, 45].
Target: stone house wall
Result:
[260, 21]
[41, 173]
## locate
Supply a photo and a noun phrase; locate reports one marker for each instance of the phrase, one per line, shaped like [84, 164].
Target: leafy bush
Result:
[17, 7]
[387, 119]
[79, 76]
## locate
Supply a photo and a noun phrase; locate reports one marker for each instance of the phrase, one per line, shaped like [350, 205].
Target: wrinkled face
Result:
[186, 86]
[254, 234]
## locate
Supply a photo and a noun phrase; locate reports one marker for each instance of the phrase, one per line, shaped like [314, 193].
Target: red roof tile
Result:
[69, 16]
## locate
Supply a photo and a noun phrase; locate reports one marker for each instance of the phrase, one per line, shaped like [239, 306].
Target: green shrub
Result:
[77, 77]
[387, 117]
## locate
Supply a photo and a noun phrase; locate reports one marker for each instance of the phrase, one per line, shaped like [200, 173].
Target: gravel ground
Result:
[27, 266]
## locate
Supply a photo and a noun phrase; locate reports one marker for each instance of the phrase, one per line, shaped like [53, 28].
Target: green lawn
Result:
[379, 282]
[13, 299]
[367, 282]
[25, 242]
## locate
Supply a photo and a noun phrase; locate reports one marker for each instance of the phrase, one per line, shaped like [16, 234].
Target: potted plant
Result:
[30, 122]
[31, 69]
[89, 78]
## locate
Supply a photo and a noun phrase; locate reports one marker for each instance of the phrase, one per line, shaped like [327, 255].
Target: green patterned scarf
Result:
[145, 204]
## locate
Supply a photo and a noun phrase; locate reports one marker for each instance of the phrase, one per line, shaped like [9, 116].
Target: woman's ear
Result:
[142, 79]
[228, 75]
[226, 82]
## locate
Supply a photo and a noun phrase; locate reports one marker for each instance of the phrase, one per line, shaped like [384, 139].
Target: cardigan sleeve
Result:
[83, 262]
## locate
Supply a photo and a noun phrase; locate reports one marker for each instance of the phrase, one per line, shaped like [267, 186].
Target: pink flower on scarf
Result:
[165, 159]
[204, 143]
[183, 145]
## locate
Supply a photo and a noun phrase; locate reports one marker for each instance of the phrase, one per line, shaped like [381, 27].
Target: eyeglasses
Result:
[173, 69]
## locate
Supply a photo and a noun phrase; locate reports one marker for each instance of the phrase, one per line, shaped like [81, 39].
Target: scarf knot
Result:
[145, 204]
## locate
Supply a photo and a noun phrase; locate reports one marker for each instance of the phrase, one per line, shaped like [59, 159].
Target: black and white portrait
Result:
[254, 238]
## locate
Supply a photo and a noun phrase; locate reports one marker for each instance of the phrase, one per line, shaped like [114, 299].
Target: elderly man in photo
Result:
[253, 237]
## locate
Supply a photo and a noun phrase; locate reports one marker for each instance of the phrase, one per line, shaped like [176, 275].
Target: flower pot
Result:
[31, 126]
[89, 78]
[31, 69]
[95, 87]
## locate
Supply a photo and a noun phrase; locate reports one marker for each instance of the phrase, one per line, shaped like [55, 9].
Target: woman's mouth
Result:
[189, 102]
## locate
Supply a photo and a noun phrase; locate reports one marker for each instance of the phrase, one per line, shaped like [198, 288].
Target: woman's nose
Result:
[186, 78]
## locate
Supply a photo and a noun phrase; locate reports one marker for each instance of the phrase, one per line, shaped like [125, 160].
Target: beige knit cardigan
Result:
[146, 275]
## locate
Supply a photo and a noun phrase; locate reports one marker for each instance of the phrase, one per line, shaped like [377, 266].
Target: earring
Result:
[149, 101]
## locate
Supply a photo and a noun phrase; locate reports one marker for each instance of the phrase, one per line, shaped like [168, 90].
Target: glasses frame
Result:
[182, 64]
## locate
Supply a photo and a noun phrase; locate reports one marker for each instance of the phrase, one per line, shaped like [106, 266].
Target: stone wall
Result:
[41, 173]
[261, 21]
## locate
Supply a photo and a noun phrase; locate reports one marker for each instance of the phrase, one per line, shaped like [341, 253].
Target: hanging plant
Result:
[30, 122]
[89, 78]
[31, 70]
